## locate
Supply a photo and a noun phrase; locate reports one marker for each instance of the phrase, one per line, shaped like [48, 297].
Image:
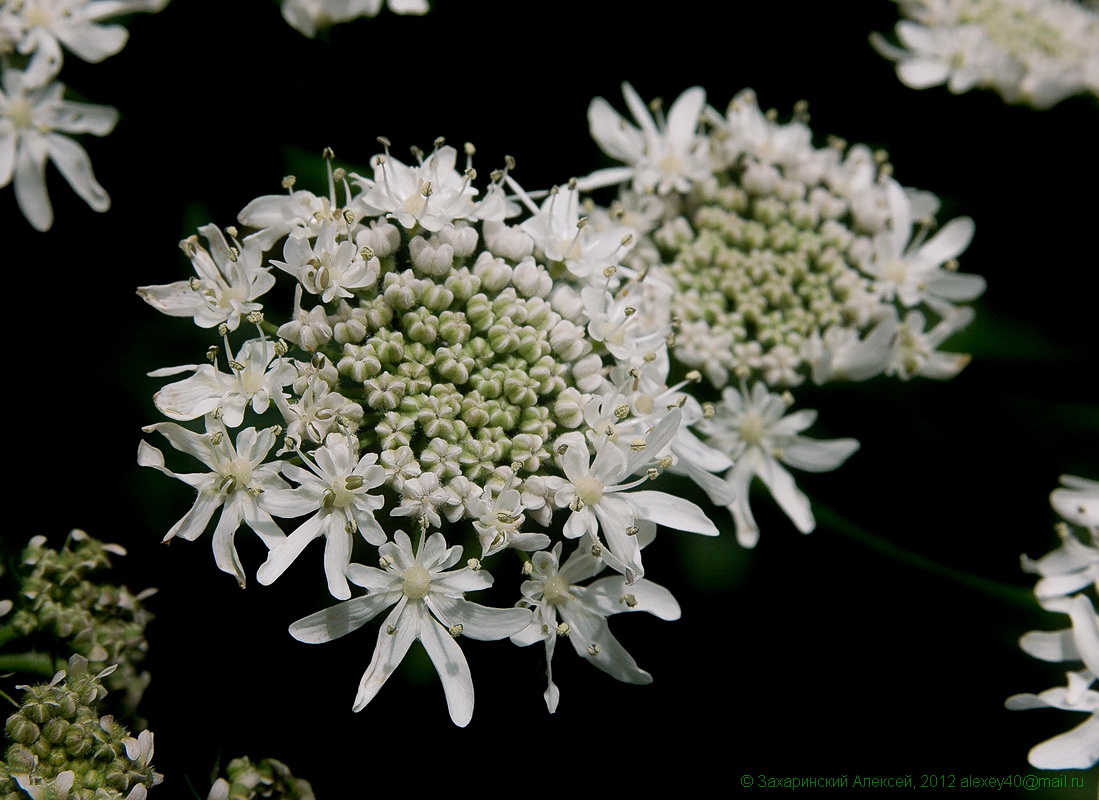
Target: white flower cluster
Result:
[445, 366]
[781, 261]
[310, 16]
[1034, 52]
[1068, 583]
[34, 116]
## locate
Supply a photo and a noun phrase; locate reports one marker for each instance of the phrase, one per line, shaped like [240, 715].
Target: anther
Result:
[787, 398]
[255, 317]
[470, 149]
[597, 550]
[385, 562]
[391, 629]
[528, 568]
[637, 445]
[694, 376]
[232, 231]
[563, 629]
[351, 526]
[289, 181]
[194, 283]
[236, 365]
[425, 190]
[349, 216]
[609, 272]
[384, 142]
[665, 463]
[473, 564]
[455, 630]
[212, 353]
[219, 412]
[632, 530]
[439, 141]
[628, 600]
[652, 473]
[328, 154]
[216, 437]
[353, 482]
[581, 223]
[593, 650]
[509, 162]
[223, 329]
[562, 449]
[622, 411]
[629, 311]
[281, 348]
[708, 410]
[576, 504]
[318, 361]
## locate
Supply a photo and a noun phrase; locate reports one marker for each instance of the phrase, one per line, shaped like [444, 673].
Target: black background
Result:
[809, 656]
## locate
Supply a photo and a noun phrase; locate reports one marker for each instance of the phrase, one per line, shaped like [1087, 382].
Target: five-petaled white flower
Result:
[335, 489]
[237, 479]
[229, 279]
[428, 605]
[31, 123]
[752, 427]
[662, 155]
[552, 592]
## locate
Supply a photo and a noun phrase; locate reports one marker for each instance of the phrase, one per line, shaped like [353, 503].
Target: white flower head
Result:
[428, 605]
[662, 155]
[336, 491]
[757, 433]
[238, 477]
[229, 279]
[564, 609]
[32, 121]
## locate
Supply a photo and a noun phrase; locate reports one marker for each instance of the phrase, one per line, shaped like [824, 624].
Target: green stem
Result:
[34, 663]
[7, 633]
[1002, 592]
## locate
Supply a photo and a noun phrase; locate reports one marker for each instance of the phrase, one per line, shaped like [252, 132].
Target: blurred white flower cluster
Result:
[310, 16]
[1068, 584]
[781, 261]
[34, 116]
[471, 369]
[1033, 52]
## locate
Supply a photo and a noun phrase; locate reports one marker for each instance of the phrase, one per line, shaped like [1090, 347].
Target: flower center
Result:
[417, 582]
[20, 112]
[752, 428]
[589, 489]
[555, 591]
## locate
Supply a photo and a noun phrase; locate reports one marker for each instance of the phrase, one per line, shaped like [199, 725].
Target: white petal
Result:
[73, 162]
[450, 662]
[282, 556]
[818, 455]
[949, 242]
[672, 512]
[1076, 749]
[341, 619]
[477, 621]
[389, 651]
[786, 493]
[30, 184]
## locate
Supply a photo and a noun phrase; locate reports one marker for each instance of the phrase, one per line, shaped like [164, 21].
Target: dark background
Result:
[821, 656]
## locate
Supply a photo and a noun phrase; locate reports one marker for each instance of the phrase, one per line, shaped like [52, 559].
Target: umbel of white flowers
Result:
[443, 366]
[34, 116]
[1068, 584]
[506, 365]
[1032, 52]
[782, 261]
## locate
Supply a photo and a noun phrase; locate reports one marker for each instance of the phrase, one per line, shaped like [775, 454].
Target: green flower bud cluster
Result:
[457, 368]
[267, 778]
[62, 598]
[761, 267]
[61, 746]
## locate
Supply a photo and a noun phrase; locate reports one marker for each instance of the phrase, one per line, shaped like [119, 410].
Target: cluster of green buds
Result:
[62, 749]
[248, 780]
[61, 602]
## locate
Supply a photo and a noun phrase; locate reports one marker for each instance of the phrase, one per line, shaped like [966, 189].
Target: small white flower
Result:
[228, 280]
[31, 123]
[661, 155]
[602, 498]
[335, 490]
[552, 592]
[755, 431]
[429, 605]
[237, 479]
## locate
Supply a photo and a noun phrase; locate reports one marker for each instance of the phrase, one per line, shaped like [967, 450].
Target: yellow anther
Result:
[455, 630]
[563, 629]
[629, 600]
[593, 650]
